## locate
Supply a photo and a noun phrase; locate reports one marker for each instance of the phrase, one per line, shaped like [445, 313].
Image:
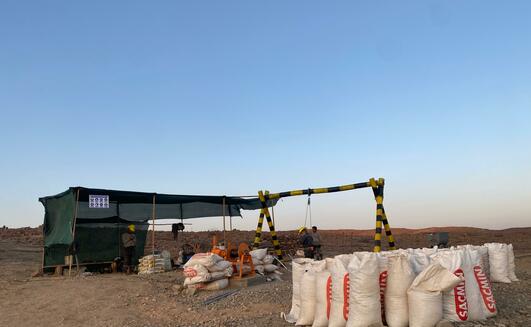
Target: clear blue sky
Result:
[217, 97]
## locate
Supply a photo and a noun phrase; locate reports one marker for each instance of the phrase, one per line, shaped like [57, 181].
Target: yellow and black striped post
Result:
[274, 237]
[388, 233]
[379, 214]
[258, 233]
[378, 188]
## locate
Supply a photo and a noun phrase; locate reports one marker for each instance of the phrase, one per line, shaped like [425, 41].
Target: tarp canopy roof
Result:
[138, 206]
[88, 208]
[97, 217]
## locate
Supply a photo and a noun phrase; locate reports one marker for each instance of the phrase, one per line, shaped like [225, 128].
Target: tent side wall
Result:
[96, 240]
[58, 221]
[101, 242]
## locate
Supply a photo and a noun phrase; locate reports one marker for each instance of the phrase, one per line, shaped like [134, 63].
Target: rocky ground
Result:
[120, 300]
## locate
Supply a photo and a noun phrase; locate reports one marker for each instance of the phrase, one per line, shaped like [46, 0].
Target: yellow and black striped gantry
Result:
[381, 218]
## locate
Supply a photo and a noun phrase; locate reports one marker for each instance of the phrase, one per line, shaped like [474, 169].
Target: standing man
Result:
[306, 241]
[129, 243]
[317, 243]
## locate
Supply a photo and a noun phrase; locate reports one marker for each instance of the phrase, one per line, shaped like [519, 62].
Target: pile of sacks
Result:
[154, 263]
[412, 287]
[207, 271]
[263, 262]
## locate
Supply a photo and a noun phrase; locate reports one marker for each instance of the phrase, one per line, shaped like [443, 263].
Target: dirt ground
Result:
[120, 300]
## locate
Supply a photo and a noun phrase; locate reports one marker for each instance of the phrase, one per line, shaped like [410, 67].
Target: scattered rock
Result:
[190, 291]
[177, 288]
[38, 273]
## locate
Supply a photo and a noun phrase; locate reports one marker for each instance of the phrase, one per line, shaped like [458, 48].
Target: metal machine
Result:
[439, 239]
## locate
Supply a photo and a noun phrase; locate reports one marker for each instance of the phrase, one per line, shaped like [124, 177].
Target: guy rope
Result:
[381, 218]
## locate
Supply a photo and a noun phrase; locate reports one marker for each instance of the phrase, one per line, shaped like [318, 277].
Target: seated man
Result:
[306, 241]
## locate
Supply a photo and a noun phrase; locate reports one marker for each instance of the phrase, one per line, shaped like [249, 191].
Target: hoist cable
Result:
[308, 211]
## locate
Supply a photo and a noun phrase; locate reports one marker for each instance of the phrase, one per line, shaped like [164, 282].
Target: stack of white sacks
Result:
[154, 263]
[207, 271]
[263, 262]
[412, 287]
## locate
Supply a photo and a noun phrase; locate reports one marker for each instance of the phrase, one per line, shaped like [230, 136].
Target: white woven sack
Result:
[307, 311]
[299, 266]
[229, 271]
[340, 286]
[219, 266]
[499, 262]
[258, 254]
[511, 266]
[259, 269]
[364, 293]
[268, 259]
[197, 279]
[400, 275]
[323, 296]
[329, 263]
[215, 275]
[425, 297]
[429, 251]
[318, 265]
[216, 285]
[483, 252]
[195, 270]
[307, 292]
[455, 306]
[475, 306]
[257, 262]
[419, 261]
[485, 288]
[382, 277]
[269, 268]
[204, 259]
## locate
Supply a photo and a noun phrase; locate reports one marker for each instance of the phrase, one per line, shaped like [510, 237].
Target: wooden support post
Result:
[73, 233]
[153, 225]
[224, 230]
[43, 248]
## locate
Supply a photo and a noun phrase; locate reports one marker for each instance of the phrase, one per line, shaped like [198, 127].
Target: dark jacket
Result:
[306, 240]
[128, 240]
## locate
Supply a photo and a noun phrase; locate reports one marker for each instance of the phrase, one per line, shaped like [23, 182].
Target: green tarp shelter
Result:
[94, 219]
